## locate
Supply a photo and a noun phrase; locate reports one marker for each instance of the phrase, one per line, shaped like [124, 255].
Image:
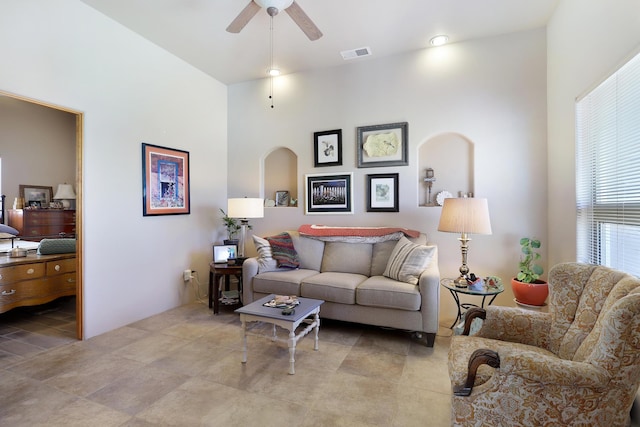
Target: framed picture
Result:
[327, 148]
[165, 181]
[36, 196]
[382, 193]
[383, 145]
[282, 198]
[329, 193]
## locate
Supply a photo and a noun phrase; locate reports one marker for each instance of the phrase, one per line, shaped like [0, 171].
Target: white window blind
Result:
[608, 171]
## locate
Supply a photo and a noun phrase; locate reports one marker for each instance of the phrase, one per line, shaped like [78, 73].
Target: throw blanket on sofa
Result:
[325, 232]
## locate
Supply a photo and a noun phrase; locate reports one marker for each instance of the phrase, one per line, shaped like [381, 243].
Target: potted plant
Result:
[233, 228]
[527, 286]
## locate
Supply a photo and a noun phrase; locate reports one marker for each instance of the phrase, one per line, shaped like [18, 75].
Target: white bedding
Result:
[5, 245]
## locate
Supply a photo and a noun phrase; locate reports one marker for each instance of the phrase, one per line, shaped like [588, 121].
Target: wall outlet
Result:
[186, 275]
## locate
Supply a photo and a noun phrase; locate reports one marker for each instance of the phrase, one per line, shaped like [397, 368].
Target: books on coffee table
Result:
[282, 301]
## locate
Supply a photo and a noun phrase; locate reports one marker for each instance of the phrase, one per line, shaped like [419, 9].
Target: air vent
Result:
[355, 53]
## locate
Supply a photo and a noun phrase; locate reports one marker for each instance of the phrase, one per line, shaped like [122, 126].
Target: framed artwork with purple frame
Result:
[165, 181]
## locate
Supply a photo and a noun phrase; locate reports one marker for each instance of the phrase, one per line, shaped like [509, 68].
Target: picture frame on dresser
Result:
[36, 196]
[383, 145]
[165, 181]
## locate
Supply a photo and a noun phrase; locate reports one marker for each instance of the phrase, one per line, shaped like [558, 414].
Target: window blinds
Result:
[608, 171]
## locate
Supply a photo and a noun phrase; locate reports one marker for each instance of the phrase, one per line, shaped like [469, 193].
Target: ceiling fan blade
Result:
[306, 25]
[243, 18]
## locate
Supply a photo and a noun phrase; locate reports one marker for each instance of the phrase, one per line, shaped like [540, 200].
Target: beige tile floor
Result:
[182, 368]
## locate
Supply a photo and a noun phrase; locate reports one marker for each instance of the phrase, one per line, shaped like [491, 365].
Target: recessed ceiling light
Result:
[273, 72]
[439, 40]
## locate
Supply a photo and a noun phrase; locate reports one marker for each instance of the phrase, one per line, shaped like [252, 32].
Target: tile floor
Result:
[182, 368]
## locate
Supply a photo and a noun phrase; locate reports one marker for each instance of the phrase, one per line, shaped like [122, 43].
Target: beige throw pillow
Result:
[265, 255]
[407, 261]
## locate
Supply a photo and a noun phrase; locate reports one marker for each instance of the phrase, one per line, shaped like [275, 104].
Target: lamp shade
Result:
[465, 215]
[245, 208]
[65, 191]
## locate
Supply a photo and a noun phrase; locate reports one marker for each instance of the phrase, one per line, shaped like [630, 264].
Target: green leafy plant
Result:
[530, 271]
[232, 225]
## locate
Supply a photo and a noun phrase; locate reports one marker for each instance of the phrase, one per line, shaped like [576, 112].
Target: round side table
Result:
[484, 293]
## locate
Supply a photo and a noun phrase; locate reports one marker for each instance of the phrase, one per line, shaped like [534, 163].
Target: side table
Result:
[217, 272]
[484, 293]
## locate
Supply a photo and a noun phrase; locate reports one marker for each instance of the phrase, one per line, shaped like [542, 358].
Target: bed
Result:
[9, 237]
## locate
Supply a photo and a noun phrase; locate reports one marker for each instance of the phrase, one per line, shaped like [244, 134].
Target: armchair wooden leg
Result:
[473, 313]
[479, 357]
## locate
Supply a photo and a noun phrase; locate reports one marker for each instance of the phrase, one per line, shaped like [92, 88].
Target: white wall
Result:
[587, 41]
[65, 53]
[490, 91]
[38, 155]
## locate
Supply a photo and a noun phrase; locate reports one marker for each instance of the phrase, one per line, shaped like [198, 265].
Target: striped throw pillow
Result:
[407, 261]
[283, 251]
[265, 255]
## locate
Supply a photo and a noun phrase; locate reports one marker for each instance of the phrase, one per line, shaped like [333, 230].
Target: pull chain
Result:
[271, 60]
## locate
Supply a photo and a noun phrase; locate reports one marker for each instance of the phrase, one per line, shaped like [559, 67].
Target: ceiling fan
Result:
[273, 7]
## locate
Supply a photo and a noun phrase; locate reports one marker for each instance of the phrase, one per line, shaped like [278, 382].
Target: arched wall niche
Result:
[280, 173]
[451, 156]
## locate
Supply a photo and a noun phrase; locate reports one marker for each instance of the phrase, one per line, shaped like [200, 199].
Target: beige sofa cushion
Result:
[282, 282]
[332, 287]
[380, 291]
[310, 251]
[347, 258]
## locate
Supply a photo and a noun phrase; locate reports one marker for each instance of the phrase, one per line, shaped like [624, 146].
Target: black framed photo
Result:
[327, 148]
[383, 145]
[382, 192]
[165, 181]
[329, 193]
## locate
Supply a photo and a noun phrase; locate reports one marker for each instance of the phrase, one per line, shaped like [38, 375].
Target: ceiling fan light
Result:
[278, 4]
[439, 40]
[273, 72]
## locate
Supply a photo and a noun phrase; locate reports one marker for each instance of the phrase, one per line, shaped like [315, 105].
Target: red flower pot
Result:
[530, 293]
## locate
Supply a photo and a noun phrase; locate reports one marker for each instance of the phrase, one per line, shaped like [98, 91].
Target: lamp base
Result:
[461, 282]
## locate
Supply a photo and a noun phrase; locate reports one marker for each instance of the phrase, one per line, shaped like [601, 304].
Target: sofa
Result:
[375, 278]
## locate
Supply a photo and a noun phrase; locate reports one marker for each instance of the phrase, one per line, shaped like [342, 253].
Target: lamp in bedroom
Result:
[465, 215]
[243, 209]
[64, 194]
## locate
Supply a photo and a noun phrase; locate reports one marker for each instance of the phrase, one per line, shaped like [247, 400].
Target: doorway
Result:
[76, 118]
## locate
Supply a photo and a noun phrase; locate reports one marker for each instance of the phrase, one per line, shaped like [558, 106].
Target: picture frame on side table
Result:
[327, 148]
[165, 181]
[382, 192]
[36, 196]
[282, 198]
[383, 145]
[329, 193]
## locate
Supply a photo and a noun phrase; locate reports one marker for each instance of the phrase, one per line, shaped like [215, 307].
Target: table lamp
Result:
[243, 209]
[466, 216]
[64, 194]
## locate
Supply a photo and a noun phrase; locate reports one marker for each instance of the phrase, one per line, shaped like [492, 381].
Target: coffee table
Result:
[257, 312]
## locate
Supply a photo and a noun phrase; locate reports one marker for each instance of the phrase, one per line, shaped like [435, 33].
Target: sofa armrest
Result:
[249, 270]
[429, 285]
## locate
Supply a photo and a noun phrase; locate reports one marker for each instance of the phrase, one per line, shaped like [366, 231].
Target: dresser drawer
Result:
[61, 266]
[38, 291]
[21, 272]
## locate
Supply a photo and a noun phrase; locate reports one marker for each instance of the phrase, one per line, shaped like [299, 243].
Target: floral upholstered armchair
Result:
[578, 364]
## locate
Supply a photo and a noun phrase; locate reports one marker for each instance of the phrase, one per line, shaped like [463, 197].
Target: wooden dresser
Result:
[38, 224]
[36, 279]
